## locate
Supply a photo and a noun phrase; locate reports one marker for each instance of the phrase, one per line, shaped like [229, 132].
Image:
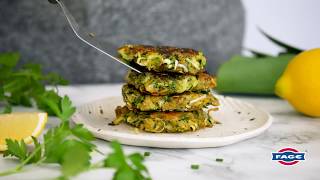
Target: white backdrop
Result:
[294, 21]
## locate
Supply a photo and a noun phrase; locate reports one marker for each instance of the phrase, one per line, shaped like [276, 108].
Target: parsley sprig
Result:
[26, 85]
[68, 146]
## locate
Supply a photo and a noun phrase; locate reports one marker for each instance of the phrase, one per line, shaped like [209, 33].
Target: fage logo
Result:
[288, 156]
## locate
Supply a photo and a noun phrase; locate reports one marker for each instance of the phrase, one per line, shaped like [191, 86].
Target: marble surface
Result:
[39, 31]
[250, 159]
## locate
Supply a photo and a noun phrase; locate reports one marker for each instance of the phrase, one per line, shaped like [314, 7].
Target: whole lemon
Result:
[300, 83]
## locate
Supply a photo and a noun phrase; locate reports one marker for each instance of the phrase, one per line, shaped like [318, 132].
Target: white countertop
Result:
[250, 159]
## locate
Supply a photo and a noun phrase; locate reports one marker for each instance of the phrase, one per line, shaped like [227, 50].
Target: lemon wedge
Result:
[21, 126]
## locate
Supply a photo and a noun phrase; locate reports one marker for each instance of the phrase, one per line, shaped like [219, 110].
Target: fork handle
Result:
[53, 1]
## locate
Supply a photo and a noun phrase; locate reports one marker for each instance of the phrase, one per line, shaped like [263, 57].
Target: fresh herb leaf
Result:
[125, 173]
[258, 54]
[7, 109]
[288, 49]
[117, 158]
[68, 149]
[9, 59]
[53, 143]
[82, 133]
[19, 150]
[71, 165]
[52, 138]
[49, 101]
[53, 103]
[219, 159]
[127, 167]
[22, 86]
[137, 159]
[16, 149]
[54, 78]
[38, 154]
[2, 96]
[67, 109]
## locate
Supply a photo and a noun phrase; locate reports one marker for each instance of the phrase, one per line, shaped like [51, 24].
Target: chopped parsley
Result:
[185, 118]
[219, 159]
[172, 86]
[138, 100]
[195, 166]
[167, 98]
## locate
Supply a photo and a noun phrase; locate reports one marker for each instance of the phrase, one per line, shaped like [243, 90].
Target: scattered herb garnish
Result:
[147, 154]
[26, 86]
[219, 159]
[195, 166]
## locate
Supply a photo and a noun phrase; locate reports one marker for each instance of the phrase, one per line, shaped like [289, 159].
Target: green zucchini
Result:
[251, 75]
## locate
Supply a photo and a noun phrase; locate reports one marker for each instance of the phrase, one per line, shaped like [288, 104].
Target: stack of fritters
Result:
[172, 92]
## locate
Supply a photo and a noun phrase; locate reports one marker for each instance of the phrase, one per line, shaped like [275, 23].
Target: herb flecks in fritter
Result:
[187, 101]
[164, 122]
[164, 58]
[163, 84]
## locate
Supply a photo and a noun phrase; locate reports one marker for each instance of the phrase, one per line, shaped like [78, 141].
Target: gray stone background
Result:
[39, 31]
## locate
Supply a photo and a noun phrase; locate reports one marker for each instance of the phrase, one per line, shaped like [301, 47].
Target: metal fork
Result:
[87, 37]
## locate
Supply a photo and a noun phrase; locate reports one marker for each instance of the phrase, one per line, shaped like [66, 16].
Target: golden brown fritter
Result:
[163, 84]
[164, 58]
[187, 101]
[163, 122]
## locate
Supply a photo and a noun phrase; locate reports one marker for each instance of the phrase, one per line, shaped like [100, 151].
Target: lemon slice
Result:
[21, 126]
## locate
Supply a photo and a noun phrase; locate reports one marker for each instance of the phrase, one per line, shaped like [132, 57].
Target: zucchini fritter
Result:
[162, 84]
[160, 122]
[164, 58]
[187, 101]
